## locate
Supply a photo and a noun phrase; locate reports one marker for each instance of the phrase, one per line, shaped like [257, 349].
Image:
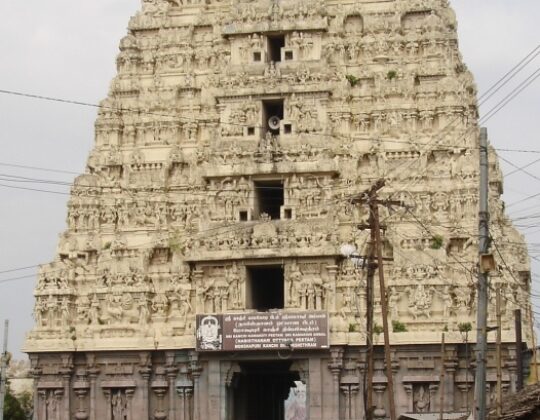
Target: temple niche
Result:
[218, 193]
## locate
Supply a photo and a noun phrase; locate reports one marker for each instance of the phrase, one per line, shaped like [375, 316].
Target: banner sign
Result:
[262, 331]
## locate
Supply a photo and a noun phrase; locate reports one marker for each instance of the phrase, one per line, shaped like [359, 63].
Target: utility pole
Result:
[482, 288]
[533, 338]
[369, 324]
[499, 356]
[370, 197]
[374, 209]
[519, 350]
[3, 370]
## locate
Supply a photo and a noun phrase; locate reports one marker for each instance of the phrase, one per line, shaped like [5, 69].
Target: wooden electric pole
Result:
[369, 327]
[484, 265]
[519, 350]
[499, 356]
[370, 197]
[3, 370]
[374, 209]
[533, 339]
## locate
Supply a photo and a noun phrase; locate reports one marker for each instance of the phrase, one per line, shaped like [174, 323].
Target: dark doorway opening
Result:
[264, 289]
[269, 197]
[275, 44]
[262, 389]
[272, 115]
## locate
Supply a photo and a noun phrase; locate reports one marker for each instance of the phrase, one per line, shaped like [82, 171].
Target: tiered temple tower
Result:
[226, 155]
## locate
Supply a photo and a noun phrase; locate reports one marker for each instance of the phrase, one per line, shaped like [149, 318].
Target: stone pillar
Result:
[145, 412]
[449, 385]
[335, 365]
[409, 391]
[93, 374]
[129, 397]
[434, 403]
[380, 411]
[145, 370]
[81, 411]
[171, 378]
[108, 396]
[196, 371]
[40, 410]
[214, 390]
[315, 390]
[64, 397]
[511, 365]
[35, 372]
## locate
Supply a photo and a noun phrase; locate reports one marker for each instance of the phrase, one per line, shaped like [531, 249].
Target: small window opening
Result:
[265, 288]
[257, 56]
[287, 213]
[269, 198]
[289, 55]
[287, 129]
[243, 215]
[272, 115]
[275, 44]
[251, 131]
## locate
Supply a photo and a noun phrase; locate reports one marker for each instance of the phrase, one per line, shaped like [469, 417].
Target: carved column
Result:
[129, 398]
[81, 413]
[315, 389]
[196, 371]
[40, 409]
[214, 390]
[93, 374]
[379, 389]
[66, 395]
[184, 388]
[432, 397]
[145, 370]
[81, 387]
[350, 392]
[511, 365]
[449, 386]
[335, 365]
[171, 377]
[35, 372]
[409, 391]
[108, 397]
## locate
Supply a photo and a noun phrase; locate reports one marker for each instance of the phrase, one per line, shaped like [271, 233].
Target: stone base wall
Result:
[186, 385]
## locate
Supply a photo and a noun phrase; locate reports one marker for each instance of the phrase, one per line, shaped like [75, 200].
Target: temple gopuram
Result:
[202, 276]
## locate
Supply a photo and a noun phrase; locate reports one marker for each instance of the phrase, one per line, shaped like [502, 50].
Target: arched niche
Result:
[414, 20]
[353, 23]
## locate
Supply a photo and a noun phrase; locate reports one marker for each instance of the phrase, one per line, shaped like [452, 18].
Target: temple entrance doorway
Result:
[268, 391]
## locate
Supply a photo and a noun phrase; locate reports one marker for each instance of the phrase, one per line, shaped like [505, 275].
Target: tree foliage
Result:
[12, 408]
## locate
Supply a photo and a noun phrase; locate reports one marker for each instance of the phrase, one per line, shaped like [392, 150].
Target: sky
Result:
[67, 49]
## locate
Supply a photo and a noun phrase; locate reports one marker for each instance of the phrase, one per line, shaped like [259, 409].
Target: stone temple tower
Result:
[200, 276]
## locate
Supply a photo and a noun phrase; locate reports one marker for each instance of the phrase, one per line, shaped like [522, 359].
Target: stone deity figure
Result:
[393, 300]
[51, 309]
[118, 403]
[39, 310]
[421, 401]
[235, 293]
[144, 313]
[65, 315]
[93, 314]
[293, 286]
